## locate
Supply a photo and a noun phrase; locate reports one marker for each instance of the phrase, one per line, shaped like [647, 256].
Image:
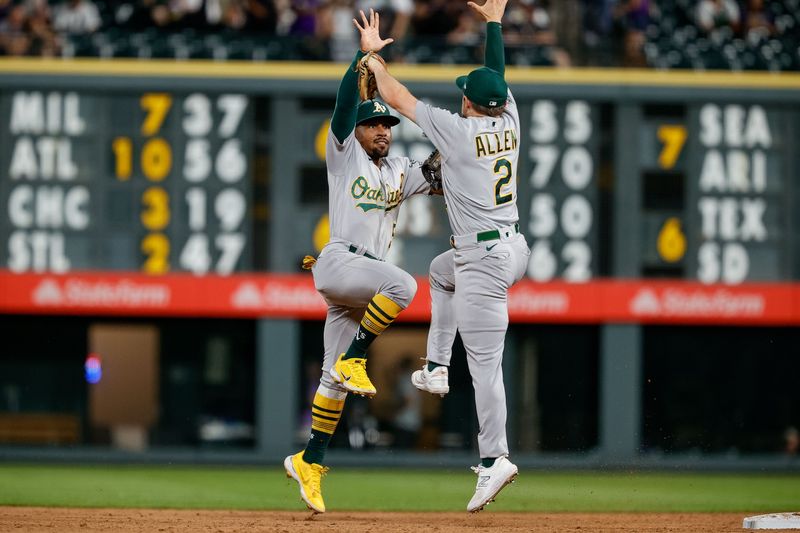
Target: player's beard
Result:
[378, 151]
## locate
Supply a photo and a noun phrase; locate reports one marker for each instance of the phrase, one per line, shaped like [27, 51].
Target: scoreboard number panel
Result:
[738, 194]
[47, 188]
[662, 155]
[562, 156]
[152, 181]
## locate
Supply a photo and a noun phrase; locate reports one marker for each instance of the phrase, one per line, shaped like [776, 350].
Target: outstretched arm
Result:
[393, 92]
[492, 12]
[344, 114]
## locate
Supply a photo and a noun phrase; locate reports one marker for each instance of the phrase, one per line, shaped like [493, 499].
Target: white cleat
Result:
[490, 482]
[435, 381]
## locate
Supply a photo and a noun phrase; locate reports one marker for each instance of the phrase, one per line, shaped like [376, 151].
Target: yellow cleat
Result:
[309, 477]
[352, 375]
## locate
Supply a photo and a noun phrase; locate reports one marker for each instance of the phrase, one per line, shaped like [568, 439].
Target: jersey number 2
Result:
[502, 167]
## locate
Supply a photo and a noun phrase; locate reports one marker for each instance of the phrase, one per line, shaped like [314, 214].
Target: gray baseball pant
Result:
[469, 293]
[348, 282]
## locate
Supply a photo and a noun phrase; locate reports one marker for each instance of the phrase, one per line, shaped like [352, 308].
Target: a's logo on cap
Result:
[379, 108]
[492, 102]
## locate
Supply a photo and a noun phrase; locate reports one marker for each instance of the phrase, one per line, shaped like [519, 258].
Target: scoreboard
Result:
[563, 189]
[217, 176]
[722, 211]
[150, 181]
[739, 193]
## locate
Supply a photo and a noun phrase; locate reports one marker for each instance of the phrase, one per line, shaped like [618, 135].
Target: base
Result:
[772, 521]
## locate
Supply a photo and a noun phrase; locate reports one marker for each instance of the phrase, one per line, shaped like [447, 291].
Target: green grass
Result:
[392, 490]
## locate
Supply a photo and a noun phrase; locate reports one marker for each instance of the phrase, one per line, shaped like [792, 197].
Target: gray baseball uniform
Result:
[469, 283]
[363, 205]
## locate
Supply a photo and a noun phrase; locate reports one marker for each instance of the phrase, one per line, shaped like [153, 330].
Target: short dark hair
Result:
[493, 112]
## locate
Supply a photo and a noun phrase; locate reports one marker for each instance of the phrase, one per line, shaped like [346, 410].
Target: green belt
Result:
[368, 255]
[491, 235]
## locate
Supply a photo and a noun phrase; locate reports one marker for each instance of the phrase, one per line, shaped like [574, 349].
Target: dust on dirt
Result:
[52, 519]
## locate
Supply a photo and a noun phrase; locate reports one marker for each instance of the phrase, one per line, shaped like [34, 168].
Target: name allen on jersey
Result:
[495, 143]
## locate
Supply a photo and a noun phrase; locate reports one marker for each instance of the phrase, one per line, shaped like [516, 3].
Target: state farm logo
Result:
[74, 292]
[48, 293]
[277, 296]
[645, 303]
[698, 303]
[247, 296]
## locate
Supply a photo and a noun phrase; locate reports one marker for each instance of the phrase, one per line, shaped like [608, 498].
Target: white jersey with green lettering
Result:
[364, 198]
[479, 165]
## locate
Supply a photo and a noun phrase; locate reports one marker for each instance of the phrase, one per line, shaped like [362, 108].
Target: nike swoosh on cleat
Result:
[489, 248]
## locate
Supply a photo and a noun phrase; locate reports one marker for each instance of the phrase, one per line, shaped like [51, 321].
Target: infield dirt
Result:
[53, 519]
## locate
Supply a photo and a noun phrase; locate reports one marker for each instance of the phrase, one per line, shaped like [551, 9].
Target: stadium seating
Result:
[673, 40]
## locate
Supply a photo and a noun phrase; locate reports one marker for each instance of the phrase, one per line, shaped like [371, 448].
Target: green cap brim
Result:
[390, 119]
[461, 82]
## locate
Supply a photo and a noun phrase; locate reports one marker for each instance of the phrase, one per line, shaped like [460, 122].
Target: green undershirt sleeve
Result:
[344, 114]
[495, 54]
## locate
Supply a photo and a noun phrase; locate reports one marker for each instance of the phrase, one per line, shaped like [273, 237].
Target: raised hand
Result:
[491, 10]
[370, 32]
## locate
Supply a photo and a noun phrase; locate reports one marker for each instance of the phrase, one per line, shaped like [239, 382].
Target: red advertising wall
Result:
[294, 296]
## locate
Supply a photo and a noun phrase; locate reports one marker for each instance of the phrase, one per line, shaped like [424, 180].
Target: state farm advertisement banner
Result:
[293, 296]
[173, 295]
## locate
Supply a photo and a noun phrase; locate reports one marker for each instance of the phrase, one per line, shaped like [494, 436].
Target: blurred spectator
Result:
[233, 15]
[165, 14]
[44, 40]
[76, 17]
[408, 417]
[716, 14]
[436, 18]
[305, 20]
[758, 24]
[362, 426]
[395, 15]
[133, 15]
[792, 441]
[336, 24]
[25, 29]
[261, 15]
[284, 17]
[529, 23]
[197, 14]
[468, 30]
[598, 17]
[14, 38]
[634, 16]
[312, 371]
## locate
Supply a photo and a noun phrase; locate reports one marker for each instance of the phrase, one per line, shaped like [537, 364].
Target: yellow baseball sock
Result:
[380, 313]
[325, 415]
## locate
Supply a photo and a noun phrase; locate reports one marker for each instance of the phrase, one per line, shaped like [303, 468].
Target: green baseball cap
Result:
[369, 109]
[484, 86]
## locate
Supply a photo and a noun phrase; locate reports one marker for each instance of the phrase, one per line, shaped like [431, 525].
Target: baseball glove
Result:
[367, 86]
[432, 171]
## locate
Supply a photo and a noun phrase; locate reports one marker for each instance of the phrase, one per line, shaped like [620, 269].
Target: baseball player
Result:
[364, 294]
[469, 283]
